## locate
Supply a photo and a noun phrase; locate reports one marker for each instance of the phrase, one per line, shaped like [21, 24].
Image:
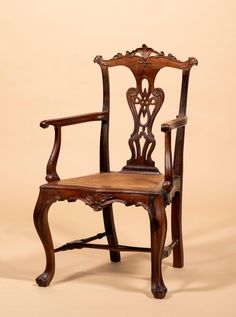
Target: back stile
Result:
[179, 142]
[104, 137]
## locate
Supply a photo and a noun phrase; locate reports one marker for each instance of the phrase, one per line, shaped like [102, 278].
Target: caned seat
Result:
[139, 182]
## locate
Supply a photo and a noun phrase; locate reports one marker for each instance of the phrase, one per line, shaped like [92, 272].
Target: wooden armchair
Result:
[139, 183]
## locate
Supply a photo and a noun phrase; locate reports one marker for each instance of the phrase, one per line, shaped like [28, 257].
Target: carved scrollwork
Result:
[144, 105]
[96, 200]
[144, 53]
[118, 55]
[146, 57]
[98, 59]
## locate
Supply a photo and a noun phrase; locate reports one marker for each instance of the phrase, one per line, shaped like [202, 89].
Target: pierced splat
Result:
[144, 104]
[144, 63]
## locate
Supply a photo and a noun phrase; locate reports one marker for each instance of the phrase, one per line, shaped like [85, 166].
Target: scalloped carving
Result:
[145, 52]
[96, 200]
[146, 55]
[98, 59]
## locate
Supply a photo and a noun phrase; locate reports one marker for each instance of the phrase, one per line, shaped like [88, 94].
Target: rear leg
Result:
[111, 232]
[176, 228]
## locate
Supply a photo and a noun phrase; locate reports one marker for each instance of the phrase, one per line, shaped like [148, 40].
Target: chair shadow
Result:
[210, 265]
[211, 258]
[122, 275]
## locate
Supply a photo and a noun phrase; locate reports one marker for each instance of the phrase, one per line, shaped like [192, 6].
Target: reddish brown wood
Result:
[107, 212]
[62, 122]
[174, 124]
[83, 243]
[167, 127]
[144, 105]
[158, 235]
[51, 171]
[168, 183]
[109, 225]
[140, 183]
[45, 199]
[176, 230]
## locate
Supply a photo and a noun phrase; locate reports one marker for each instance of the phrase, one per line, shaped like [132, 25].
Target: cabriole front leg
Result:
[41, 224]
[158, 235]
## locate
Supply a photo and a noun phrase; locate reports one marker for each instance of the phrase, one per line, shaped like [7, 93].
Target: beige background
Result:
[46, 70]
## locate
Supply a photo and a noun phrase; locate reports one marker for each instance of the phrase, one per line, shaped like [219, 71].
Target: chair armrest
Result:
[173, 124]
[51, 173]
[167, 127]
[61, 122]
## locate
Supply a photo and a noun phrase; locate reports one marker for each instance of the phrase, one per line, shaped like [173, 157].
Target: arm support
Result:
[95, 116]
[166, 128]
[51, 174]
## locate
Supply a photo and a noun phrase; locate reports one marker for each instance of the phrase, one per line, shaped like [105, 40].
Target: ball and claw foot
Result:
[43, 279]
[159, 291]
